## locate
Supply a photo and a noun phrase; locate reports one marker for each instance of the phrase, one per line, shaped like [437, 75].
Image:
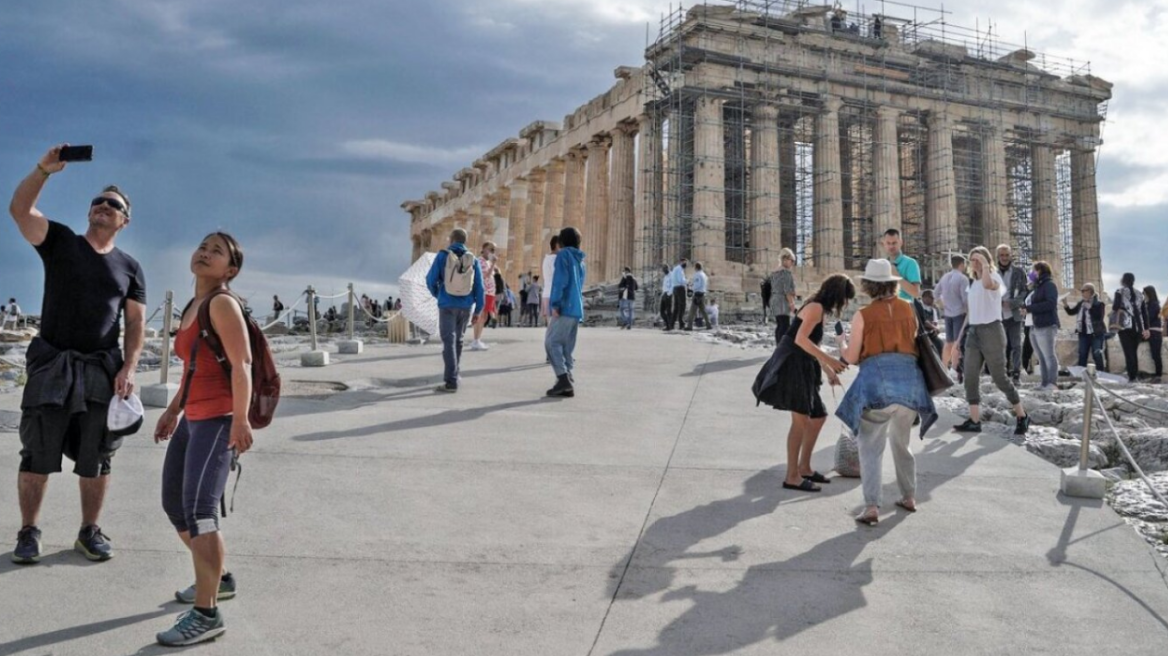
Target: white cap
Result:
[125, 415]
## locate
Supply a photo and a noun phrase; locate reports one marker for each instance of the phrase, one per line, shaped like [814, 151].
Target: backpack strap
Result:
[207, 330]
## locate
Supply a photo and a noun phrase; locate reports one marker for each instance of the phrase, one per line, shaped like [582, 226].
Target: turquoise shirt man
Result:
[906, 267]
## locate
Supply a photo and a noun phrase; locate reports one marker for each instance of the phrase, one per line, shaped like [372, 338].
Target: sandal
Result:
[816, 477]
[865, 518]
[902, 504]
[805, 486]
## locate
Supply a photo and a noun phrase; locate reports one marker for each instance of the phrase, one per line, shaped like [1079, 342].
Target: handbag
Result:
[937, 378]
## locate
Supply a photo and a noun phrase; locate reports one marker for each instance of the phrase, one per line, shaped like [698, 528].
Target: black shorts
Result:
[47, 434]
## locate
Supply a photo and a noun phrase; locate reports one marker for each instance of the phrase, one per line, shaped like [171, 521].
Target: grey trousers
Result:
[874, 432]
[1014, 346]
[986, 345]
[698, 305]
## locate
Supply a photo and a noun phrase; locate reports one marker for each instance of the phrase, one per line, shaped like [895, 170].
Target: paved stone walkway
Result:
[645, 516]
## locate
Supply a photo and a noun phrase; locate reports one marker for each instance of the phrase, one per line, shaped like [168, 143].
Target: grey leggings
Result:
[986, 344]
[194, 474]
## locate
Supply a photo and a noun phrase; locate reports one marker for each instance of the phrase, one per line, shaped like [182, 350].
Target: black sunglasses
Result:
[112, 202]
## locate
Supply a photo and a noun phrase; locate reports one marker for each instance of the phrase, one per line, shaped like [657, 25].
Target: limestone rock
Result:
[1062, 452]
[1149, 448]
[1133, 499]
[276, 329]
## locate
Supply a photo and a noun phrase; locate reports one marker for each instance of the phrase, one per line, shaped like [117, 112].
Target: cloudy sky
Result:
[301, 126]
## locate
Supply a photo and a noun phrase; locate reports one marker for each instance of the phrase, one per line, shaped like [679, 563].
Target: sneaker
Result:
[477, 345]
[226, 591]
[192, 627]
[93, 544]
[563, 387]
[446, 388]
[28, 546]
[970, 426]
[1022, 426]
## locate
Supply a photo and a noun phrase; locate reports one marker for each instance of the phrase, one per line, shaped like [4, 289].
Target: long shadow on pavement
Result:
[429, 421]
[718, 366]
[51, 638]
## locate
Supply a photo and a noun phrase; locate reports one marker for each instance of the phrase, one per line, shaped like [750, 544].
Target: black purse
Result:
[937, 378]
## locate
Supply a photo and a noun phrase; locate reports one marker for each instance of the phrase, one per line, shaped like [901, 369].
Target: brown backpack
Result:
[265, 379]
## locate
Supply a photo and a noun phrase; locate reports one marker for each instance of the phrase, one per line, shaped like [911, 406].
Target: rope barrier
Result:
[1158, 411]
[1123, 447]
[286, 312]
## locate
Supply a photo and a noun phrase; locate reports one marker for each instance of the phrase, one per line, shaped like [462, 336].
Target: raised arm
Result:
[33, 225]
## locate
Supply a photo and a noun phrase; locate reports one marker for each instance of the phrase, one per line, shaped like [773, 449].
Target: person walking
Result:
[953, 293]
[534, 298]
[1042, 305]
[677, 286]
[1154, 331]
[1129, 313]
[905, 267]
[700, 285]
[456, 280]
[889, 393]
[792, 378]
[567, 303]
[487, 261]
[986, 343]
[207, 426]
[1090, 324]
[75, 367]
[1013, 298]
[627, 289]
[666, 297]
[783, 293]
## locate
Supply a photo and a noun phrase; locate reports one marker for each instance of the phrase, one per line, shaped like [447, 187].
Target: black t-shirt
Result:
[85, 292]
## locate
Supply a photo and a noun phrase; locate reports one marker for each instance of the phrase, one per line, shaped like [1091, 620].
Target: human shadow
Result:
[42, 640]
[718, 366]
[429, 421]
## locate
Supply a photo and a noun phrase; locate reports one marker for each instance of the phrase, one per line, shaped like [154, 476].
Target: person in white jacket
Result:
[549, 269]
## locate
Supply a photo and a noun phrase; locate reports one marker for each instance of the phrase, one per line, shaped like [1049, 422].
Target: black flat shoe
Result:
[816, 477]
[805, 486]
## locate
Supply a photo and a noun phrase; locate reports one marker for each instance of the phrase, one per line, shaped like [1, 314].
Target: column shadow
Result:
[449, 417]
[43, 640]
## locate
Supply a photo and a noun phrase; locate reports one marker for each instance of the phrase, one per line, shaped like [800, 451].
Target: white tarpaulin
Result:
[417, 304]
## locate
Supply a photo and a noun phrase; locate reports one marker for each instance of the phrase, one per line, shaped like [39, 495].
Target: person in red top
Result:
[203, 442]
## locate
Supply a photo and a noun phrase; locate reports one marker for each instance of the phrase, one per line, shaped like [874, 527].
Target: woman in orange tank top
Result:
[215, 428]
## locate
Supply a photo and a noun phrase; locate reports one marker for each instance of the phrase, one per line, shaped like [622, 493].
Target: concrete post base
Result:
[1088, 484]
[351, 347]
[158, 396]
[314, 359]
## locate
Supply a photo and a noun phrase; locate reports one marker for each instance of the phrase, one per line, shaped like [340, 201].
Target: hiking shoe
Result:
[562, 388]
[478, 345]
[1022, 426]
[970, 426]
[226, 591]
[446, 388]
[192, 627]
[93, 544]
[28, 546]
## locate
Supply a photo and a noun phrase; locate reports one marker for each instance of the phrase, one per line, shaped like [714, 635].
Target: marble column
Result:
[595, 231]
[553, 206]
[941, 196]
[1085, 220]
[532, 251]
[486, 223]
[474, 224]
[764, 202]
[622, 201]
[502, 224]
[995, 187]
[574, 164]
[886, 165]
[416, 252]
[788, 201]
[516, 223]
[828, 210]
[709, 221]
[1047, 238]
[647, 217]
[427, 239]
[671, 221]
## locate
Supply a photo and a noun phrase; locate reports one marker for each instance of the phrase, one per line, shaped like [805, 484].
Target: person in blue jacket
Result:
[567, 310]
[459, 291]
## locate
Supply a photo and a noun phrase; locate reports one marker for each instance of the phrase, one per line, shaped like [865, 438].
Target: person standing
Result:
[783, 293]
[1090, 324]
[677, 286]
[548, 268]
[666, 297]
[277, 308]
[534, 297]
[456, 280]
[11, 315]
[487, 266]
[628, 299]
[792, 378]
[701, 284]
[1154, 330]
[953, 293]
[90, 286]
[1130, 315]
[931, 319]
[889, 393]
[207, 426]
[567, 304]
[712, 311]
[1042, 305]
[905, 267]
[1013, 299]
[986, 343]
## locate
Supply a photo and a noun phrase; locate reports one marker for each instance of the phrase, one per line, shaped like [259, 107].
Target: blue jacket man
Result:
[567, 308]
[454, 312]
[568, 284]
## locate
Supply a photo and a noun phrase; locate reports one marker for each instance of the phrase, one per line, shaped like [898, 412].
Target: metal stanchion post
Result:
[1088, 410]
[316, 357]
[312, 315]
[351, 346]
[1081, 481]
[160, 395]
[352, 317]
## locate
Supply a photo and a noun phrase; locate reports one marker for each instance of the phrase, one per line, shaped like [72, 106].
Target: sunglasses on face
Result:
[112, 202]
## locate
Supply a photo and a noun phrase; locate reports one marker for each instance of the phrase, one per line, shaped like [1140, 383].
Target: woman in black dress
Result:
[800, 364]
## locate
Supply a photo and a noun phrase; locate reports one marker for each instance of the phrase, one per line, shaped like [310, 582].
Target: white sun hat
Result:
[125, 415]
[879, 270]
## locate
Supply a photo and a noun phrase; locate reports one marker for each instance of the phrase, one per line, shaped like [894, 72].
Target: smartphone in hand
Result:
[75, 154]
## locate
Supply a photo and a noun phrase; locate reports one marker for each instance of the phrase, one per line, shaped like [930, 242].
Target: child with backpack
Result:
[456, 280]
[230, 386]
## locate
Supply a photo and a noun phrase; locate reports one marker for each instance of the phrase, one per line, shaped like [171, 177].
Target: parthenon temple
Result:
[758, 125]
